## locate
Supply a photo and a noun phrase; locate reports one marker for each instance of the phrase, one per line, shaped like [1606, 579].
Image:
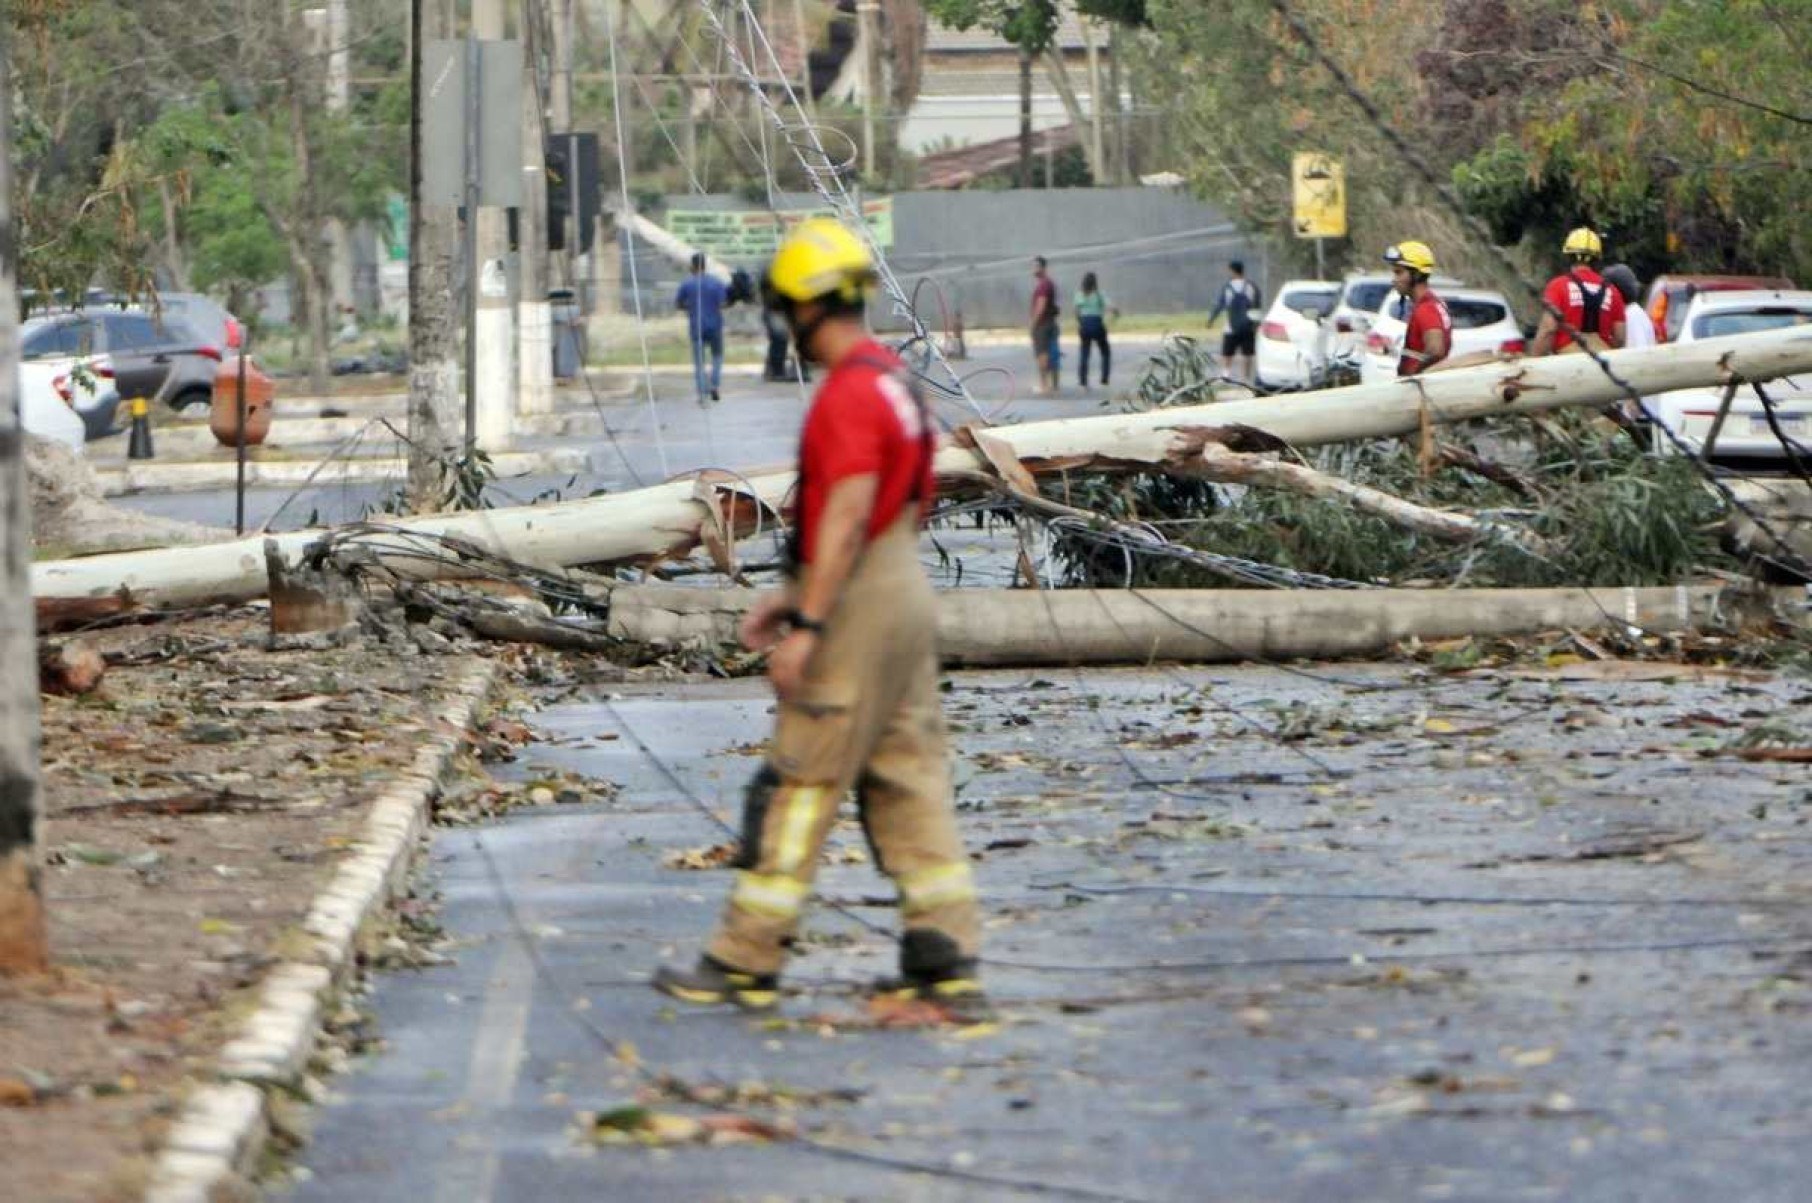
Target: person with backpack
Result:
[851, 641]
[1240, 298]
[1589, 304]
[1092, 309]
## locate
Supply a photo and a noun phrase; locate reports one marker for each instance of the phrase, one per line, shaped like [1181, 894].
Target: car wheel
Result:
[189, 398]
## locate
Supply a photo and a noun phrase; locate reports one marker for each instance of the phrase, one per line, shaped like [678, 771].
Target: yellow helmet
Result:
[1583, 243]
[1416, 256]
[819, 258]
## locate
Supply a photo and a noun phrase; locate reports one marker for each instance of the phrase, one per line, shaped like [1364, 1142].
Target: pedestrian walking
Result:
[702, 297]
[1092, 310]
[1580, 294]
[1240, 298]
[853, 664]
[1428, 333]
[1045, 330]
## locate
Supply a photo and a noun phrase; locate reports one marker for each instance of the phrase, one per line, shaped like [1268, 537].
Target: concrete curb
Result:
[223, 1127]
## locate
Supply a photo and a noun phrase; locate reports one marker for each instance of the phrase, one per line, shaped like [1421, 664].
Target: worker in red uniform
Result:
[1428, 336]
[853, 663]
[1590, 305]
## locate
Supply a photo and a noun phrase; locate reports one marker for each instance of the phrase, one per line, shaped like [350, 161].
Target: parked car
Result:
[203, 314]
[1667, 296]
[143, 348]
[1362, 294]
[42, 412]
[1746, 439]
[88, 386]
[1482, 321]
[1292, 345]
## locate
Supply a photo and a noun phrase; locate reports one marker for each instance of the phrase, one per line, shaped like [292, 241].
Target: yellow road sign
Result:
[1318, 193]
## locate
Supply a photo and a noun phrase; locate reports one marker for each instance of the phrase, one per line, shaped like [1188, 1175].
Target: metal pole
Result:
[1321, 270]
[245, 346]
[471, 242]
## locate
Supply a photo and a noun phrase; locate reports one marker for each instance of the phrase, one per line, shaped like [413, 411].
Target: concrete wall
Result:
[1155, 250]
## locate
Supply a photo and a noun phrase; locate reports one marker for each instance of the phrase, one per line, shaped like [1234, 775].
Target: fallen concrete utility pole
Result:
[981, 627]
[717, 508]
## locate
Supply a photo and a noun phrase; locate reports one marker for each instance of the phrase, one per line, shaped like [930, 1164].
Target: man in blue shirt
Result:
[702, 297]
[1239, 300]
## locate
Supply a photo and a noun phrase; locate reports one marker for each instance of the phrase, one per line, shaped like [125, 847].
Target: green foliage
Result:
[1028, 24]
[1608, 513]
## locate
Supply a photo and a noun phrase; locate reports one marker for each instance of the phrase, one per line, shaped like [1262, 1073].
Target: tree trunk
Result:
[435, 413]
[22, 946]
[1025, 119]
[1025, 627]
[1059, 75]
[651, 524]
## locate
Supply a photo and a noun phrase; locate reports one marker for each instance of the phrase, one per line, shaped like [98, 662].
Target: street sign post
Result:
[1318, 200]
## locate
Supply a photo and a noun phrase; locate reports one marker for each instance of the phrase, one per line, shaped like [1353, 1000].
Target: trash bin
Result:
[569, 333]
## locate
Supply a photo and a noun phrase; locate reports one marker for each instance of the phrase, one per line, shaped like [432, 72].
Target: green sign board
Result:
[396, 235]
[748, 235]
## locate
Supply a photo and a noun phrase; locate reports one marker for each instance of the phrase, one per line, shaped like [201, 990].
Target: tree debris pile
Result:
[1568, 499]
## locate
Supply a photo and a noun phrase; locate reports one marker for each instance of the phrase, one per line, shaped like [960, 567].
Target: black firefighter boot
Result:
[933, 970]
[711, 982]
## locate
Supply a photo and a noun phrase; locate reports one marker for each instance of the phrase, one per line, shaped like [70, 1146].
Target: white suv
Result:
[1482, 321]
[1746, 437]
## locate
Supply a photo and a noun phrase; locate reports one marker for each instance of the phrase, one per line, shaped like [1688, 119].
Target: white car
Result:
[1362, 295]
[1746, 438]
[1292, 338]
[42, 412]
[1482, 321]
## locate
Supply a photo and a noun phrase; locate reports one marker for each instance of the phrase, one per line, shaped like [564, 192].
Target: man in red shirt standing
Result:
[1045, 330]
[1591, 306]
[1428, 336]
[852, 658]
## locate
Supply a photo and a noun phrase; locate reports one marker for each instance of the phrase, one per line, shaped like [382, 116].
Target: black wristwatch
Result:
[799, 622]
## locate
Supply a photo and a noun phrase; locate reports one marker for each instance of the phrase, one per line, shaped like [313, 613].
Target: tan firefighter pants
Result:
[868, 717]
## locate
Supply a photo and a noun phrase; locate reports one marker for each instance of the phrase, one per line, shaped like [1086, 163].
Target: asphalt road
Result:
[1255, 935]
[755, 424]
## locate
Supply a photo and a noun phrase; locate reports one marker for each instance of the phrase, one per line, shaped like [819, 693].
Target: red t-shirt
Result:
[1564, 294]
[1429, 314]
[863, 420]
[1043, 287]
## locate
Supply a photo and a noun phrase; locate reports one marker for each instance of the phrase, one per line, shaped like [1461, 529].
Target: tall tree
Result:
[22, 947]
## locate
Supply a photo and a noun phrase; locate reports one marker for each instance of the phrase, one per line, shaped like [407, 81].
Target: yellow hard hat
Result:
[820, 257]
[1584, 243]
[1416, 256]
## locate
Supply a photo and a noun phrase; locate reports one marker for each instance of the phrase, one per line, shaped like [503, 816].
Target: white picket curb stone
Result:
[223, 1125]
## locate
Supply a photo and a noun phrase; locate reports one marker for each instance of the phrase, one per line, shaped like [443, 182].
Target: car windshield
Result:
[1304, 299]
[1367, 295]
[1747, 321]
[1473, 315]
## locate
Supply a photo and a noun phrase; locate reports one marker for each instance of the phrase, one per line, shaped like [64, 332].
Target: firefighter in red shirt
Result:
[1428, 335]
[853, 662]
[1591, 306]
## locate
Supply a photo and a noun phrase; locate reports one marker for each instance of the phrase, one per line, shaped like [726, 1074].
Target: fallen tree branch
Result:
[1213, 461]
